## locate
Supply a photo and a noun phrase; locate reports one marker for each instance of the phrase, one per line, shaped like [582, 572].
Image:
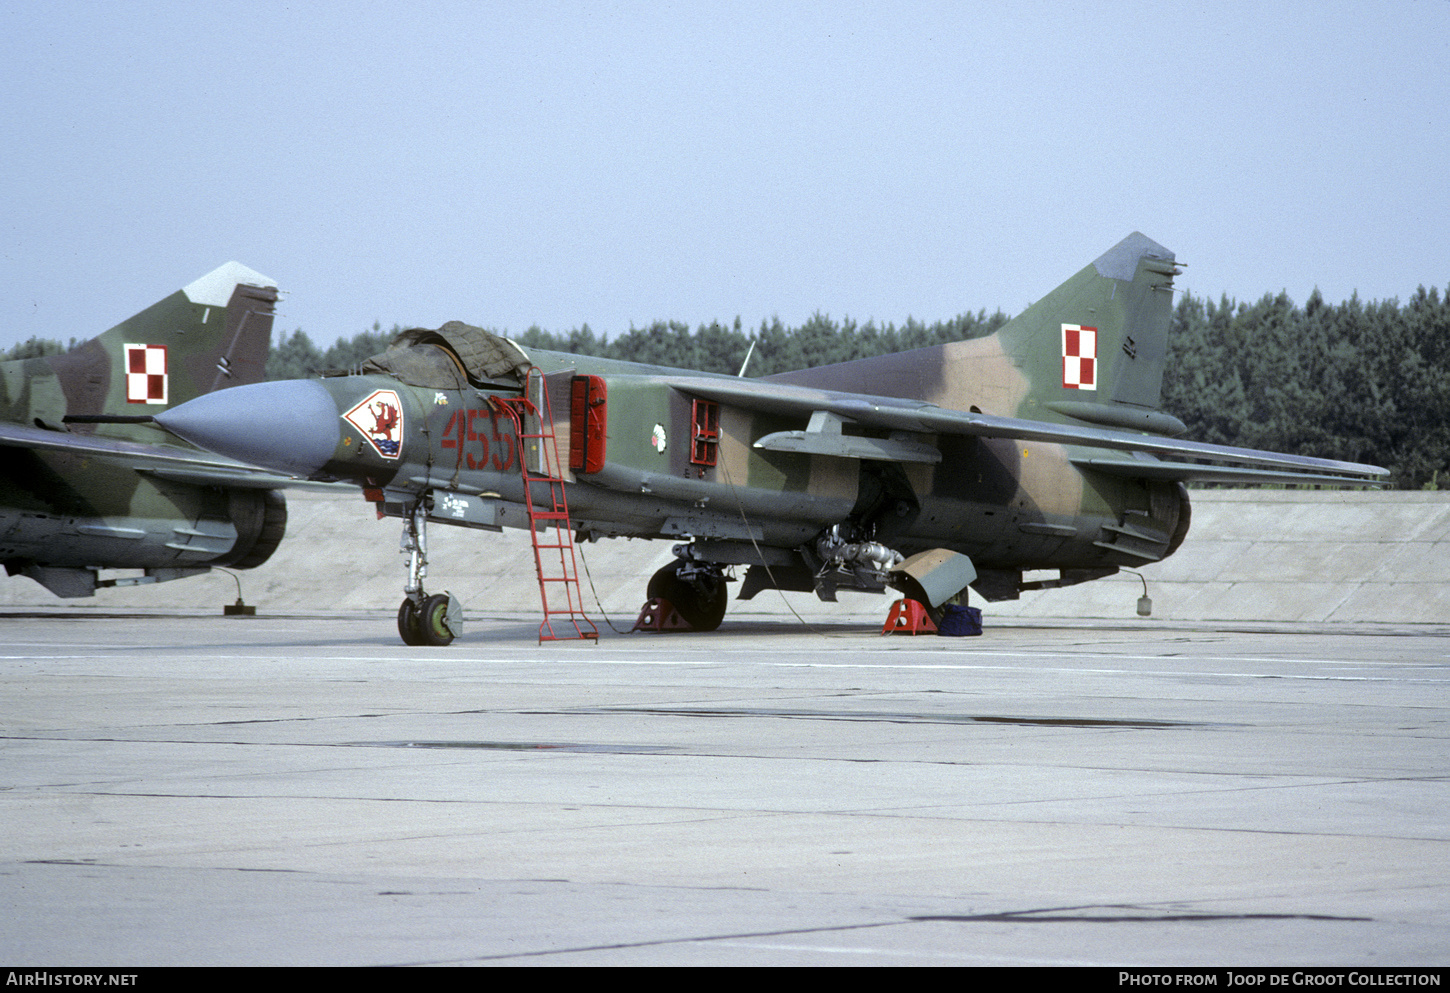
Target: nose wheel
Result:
[436, 621]
[408, 628]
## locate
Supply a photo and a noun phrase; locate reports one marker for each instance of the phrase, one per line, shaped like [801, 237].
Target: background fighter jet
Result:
[86, 484]
[1038, 448]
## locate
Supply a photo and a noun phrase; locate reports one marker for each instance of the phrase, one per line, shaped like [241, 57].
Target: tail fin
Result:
[1094, 348]
[1091, 350]
[212, 334]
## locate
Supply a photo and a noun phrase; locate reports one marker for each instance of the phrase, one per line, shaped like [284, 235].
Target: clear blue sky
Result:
[511, 164]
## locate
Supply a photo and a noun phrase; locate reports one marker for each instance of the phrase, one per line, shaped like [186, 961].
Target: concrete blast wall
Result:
[1288, 555]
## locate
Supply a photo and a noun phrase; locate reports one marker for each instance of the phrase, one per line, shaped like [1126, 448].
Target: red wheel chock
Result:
[658, 614]
[907, 617]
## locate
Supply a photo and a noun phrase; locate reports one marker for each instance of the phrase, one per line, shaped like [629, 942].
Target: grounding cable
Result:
[597, 602]
[750, 533]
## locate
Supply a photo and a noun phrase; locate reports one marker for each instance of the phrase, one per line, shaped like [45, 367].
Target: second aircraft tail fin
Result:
[211, 334]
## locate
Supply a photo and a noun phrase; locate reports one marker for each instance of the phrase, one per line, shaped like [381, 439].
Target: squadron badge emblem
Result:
[379, 419]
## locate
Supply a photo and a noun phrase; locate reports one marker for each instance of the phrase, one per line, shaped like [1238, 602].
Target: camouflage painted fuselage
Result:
[1007, 505]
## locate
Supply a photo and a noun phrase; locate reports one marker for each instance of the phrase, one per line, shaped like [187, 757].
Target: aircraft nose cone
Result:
[290, 426]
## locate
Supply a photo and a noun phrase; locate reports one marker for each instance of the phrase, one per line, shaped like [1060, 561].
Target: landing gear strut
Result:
[695, 589]
[424, 619]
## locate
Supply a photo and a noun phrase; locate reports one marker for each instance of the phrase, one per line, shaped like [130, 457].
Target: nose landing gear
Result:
[423, 619]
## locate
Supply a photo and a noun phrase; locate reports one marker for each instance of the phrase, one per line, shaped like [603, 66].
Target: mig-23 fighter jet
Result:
[1040, 447]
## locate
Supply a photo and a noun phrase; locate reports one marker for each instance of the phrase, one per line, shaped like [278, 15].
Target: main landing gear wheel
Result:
[700, 600]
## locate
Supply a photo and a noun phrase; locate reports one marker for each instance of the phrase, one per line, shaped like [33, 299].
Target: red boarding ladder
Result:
[554, 559]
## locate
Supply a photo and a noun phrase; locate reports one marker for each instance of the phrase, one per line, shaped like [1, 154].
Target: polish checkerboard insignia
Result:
[1079, 357]
[145, 373]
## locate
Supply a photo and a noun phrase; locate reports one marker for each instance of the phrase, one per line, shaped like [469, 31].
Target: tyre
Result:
[409, 628]
[433, 621]
[701, 601]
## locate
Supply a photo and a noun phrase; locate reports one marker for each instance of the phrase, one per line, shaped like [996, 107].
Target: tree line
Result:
[1363, 382]
[713, 347]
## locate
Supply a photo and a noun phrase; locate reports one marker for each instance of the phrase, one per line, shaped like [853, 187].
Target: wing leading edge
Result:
[172, 463]
[1148, 456]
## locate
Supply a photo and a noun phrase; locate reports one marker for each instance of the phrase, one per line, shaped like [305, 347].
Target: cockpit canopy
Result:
[452, 357]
